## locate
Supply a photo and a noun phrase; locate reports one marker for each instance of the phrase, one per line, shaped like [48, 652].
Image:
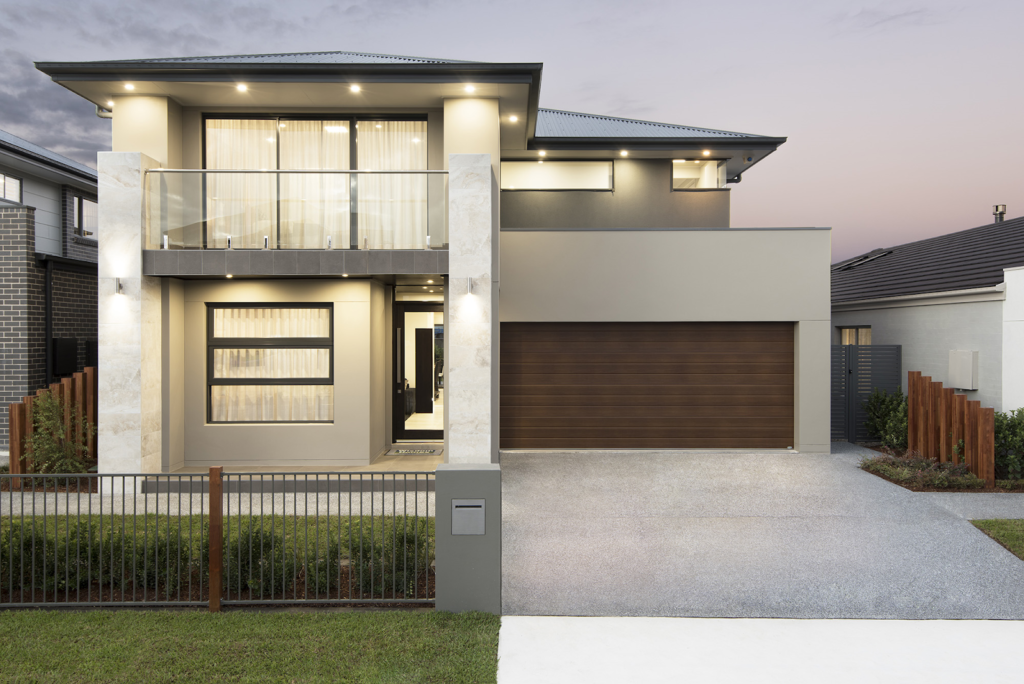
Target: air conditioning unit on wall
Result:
[963, 369]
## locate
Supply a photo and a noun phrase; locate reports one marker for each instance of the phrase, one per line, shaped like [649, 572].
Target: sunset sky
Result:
[904, 119]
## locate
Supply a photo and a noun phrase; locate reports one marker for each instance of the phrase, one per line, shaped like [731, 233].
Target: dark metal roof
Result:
[337, 57]
[24, 148]
[958, 261]
[555, 123]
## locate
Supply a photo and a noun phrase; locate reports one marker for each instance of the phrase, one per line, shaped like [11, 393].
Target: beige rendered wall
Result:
[173, 372]
[150, 125]
[351, 440]
[684, 275]
[379, 357]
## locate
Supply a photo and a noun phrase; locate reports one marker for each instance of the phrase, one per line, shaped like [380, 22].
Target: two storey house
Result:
[308, 259]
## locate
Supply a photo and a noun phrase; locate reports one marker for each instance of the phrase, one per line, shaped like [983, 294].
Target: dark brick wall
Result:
[22, 322]
[74, 308]
[75, 247]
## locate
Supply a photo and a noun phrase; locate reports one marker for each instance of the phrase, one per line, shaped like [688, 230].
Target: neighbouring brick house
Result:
[48, 281]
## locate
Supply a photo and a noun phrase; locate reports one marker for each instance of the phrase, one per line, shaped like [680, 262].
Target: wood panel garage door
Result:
[646, 385]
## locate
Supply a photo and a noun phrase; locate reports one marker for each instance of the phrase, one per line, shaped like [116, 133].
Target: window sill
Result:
[701, 189]
[86, 242]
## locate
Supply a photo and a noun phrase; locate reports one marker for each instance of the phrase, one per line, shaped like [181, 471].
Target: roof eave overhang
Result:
[661, 144]
[974, 294]
[69, 171]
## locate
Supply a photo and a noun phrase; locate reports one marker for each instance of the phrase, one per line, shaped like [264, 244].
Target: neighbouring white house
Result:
[954, 302]
[308, 259]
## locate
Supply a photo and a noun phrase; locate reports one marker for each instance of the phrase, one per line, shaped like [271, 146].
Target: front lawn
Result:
[243, 646]
[1009, 533]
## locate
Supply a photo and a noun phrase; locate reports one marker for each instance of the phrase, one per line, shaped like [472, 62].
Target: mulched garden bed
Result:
[927, 475]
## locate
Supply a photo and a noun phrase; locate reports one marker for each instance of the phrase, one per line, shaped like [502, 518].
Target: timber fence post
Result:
[216, 536]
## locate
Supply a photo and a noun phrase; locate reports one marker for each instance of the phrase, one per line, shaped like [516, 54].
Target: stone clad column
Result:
[471, 334]
[129, 372]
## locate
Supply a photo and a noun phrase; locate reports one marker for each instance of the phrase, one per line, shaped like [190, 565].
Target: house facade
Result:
[48, 217]
[954, 302]
[306, 260]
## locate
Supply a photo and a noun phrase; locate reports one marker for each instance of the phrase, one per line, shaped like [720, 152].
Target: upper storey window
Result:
[303, 210]
[10, 188]
[698, 174]
[557, 175]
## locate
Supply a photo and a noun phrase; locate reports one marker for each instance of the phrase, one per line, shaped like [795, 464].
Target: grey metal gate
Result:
[857, 370]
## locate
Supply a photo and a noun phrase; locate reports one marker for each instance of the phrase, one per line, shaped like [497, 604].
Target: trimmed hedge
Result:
[265, 556]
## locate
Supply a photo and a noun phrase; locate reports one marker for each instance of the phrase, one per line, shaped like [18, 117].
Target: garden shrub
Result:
[1009, 439]
[887, 418]
[922, 473]
[258, 557]
[55, 448]
[388, 552]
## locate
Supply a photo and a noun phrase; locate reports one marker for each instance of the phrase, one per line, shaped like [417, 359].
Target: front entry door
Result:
[418, 371]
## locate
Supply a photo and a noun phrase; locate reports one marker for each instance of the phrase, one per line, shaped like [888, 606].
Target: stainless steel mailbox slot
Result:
[468, 516]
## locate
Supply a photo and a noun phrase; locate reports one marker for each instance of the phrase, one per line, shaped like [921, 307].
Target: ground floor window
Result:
[270, 363]
[857, 335]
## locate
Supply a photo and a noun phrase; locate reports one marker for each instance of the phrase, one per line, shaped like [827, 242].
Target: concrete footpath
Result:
[538, 650]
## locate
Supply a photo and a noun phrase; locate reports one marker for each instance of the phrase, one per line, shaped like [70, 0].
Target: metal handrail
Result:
[443, 172]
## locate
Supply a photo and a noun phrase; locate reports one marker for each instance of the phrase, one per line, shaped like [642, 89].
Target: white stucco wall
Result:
[1012, 372]
[928, 332]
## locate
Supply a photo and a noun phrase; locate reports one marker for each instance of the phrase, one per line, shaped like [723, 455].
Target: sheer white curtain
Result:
[259, 322]
[271, 403]
[392, 209]
[243, 206]
[314, 206]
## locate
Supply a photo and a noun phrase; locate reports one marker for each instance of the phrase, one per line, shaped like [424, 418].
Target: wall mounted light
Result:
[266, 242]
[118, 286]
[329, 242]
[469, 286]
[165, 242]
[229, 242]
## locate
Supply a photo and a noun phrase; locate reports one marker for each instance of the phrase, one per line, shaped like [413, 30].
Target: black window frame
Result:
[77, 214]
[214, 343]
[3, 184]
[353, 151]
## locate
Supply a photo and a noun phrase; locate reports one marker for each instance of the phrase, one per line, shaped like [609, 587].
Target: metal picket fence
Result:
[216, 539]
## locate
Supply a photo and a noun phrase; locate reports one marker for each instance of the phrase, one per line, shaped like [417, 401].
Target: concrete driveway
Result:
[740, 535]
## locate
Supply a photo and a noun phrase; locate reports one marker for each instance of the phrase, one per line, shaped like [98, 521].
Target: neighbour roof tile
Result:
[38, 151]
[958, 261]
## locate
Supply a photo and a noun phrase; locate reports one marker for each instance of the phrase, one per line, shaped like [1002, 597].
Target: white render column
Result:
[471, 331]
[129, 374]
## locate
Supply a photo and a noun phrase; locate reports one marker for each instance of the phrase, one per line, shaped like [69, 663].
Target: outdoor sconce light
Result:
[469, 286]
[229, 242]
[118, 287]
[266, 242]
[328, 242]
[165, 242]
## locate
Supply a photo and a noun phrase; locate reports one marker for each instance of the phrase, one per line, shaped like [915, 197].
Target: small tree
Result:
[887, 418]
[55, 446]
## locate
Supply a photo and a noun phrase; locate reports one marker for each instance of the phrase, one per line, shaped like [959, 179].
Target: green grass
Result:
[1009, 533]
[241, 646]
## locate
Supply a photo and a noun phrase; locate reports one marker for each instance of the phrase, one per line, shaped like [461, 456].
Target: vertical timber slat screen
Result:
[79, 395]
[940, 421]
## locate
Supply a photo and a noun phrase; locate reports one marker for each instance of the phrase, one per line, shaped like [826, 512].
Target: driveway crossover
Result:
[740, 534]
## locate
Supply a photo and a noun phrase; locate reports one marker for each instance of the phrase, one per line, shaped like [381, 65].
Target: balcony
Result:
[296, 210]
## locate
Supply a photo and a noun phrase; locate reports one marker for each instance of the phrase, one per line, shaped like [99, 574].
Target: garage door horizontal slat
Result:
[647, 385]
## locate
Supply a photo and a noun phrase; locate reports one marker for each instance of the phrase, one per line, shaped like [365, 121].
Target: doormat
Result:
[409, 452]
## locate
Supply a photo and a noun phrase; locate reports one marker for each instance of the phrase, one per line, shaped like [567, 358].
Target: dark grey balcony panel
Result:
[238, 262]
[293, 262]
[307, 262]
[190, 262]
[165, 262]
[356, 262]
[285, 262]
[332, 262]
[402, 261]
[425, 262]
[214, 263]
[380, 262]
[261, 262]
